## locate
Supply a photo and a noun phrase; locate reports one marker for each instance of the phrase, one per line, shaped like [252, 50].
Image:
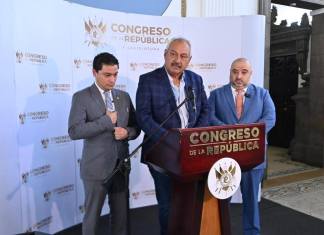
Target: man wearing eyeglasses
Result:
[158, 94]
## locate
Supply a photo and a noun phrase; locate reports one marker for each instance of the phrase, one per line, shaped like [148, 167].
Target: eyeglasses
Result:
[174, 55]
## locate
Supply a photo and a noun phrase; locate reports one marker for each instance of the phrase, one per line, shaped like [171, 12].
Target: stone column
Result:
[300, 143]
[183, 8]
[315, 150]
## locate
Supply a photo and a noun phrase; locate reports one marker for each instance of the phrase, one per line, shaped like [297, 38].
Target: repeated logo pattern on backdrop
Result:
[50, 65]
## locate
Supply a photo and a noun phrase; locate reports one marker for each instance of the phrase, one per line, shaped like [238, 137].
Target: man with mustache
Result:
[158, 94]
[241, 102]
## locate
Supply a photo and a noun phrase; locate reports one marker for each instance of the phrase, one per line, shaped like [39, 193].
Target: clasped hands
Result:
[120, 132]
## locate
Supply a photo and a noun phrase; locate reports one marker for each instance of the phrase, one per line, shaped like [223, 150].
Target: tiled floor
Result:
[279, 164]
[293, 184]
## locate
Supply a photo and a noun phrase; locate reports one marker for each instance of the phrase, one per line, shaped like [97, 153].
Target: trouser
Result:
[250, 182]
[162, 184]
[95, 195]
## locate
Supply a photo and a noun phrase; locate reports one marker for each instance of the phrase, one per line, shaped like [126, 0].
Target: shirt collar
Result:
[171, 79]
[99, 88]
[234, 90]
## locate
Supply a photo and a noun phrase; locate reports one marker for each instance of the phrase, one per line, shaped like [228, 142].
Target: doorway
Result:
[283, 84]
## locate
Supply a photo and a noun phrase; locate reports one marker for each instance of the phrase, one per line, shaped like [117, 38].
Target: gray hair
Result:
[179, 39]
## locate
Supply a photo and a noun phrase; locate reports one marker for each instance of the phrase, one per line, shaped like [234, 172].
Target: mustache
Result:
[176, 64]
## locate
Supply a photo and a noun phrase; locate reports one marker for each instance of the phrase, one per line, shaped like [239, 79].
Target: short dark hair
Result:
[104, 58]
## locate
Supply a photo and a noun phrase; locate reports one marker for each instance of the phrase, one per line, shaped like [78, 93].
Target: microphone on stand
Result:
[123, 163]
[192, 97]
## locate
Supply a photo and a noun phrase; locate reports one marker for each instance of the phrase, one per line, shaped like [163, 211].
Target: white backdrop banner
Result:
[53, 59]
[43, 79]
[10, 192]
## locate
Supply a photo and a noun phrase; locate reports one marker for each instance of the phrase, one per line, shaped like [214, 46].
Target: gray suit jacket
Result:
[88, 121]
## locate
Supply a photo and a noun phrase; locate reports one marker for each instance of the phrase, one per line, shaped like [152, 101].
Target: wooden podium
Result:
[187, 156]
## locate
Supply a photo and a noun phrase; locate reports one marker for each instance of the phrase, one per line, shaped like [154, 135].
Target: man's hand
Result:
[120, 133]
[113, 116]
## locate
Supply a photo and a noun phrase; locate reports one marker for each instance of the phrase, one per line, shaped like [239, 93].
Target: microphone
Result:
[192, 97]
[247, 95]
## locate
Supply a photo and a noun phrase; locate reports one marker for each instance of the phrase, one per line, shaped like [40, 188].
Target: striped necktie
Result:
[109, 103]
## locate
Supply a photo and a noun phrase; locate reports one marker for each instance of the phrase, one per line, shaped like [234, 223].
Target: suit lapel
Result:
[165, 82]
[96, 96]
[188, 81]
[229, 98]
[116, 99]
[248, 100]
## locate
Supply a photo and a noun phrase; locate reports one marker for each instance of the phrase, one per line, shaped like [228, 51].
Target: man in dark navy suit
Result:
[158, 94]
[241, 102]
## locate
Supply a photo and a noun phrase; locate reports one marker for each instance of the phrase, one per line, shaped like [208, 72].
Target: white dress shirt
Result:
[180, 95]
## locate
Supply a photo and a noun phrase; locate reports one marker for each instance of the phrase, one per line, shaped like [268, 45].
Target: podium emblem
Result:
[224, 178]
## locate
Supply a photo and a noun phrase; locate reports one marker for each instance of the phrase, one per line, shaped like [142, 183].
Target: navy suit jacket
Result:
[258, 108]
[155, 101]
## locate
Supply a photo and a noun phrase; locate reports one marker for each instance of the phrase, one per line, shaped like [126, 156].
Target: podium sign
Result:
[187, 156]
[192, 151]
[204, 146]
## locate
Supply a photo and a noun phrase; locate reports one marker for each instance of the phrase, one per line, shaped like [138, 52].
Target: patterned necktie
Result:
[239, 102]
[109, 103]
